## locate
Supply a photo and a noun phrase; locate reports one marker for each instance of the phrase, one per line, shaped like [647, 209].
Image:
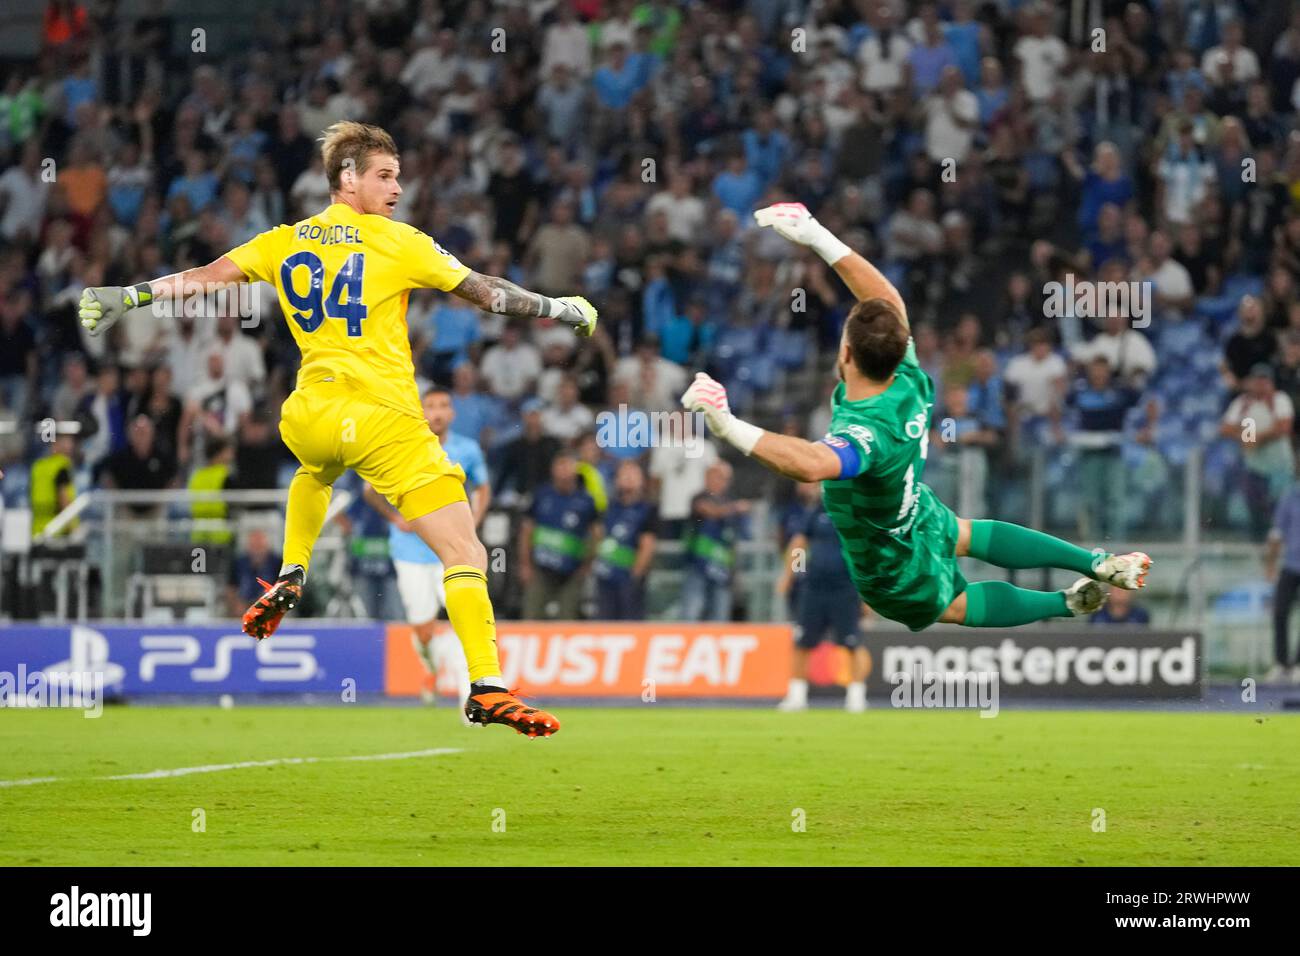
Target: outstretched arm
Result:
[102, 306]
[796, 458]
[793, 221]
[787, 455]
[494, 294]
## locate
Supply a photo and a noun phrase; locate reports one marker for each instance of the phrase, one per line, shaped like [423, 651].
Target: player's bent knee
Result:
[963, 539]
[473, 554]
[955, 613]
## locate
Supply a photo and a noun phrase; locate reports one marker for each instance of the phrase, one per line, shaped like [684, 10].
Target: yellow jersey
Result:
[343, 279]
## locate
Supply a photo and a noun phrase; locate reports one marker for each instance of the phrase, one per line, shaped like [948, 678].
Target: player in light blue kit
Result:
[419, 572]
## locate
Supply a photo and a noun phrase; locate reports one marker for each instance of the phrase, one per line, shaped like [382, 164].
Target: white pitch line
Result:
[27, 782]
[244, 764]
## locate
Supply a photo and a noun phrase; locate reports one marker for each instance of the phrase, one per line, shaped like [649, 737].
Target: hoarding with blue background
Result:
[180, 659]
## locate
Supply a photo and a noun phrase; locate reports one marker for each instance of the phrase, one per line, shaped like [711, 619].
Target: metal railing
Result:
[114, 526]
[1229, 604]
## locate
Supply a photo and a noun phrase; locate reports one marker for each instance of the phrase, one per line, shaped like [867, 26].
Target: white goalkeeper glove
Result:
[101, 306]
[708, 396]
[577, 313]
[793, 221]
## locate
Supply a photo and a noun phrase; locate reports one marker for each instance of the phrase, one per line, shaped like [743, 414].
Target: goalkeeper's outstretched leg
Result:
[1001, 604]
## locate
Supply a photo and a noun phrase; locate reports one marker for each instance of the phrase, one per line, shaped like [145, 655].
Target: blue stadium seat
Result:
[789, 347]
[15, 483]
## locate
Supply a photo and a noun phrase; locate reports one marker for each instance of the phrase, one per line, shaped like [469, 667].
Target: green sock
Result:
[1013, 546]
[1001, 604]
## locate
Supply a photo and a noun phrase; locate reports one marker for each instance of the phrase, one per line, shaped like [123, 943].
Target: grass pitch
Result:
[649, 786]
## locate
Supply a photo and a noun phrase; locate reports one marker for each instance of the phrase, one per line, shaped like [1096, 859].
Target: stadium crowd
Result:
[981, 153]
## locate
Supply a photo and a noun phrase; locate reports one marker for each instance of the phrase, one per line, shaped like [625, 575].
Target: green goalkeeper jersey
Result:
[898, 540]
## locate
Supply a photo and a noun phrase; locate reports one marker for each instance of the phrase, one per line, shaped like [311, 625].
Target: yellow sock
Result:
[470, 610]
[308, 501]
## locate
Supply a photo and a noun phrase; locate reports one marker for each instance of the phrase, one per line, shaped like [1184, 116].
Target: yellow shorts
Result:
[331, 426]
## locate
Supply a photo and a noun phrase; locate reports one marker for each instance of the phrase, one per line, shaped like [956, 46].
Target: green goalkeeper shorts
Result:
[913, 579]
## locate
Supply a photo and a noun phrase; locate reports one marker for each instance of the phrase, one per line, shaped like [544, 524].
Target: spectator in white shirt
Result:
[1172, 281]
[567, 418]
[1130, 355]
[1042, 56]
[831, 67]
[1230, 63]
[23, 193]
[685, 213]
[951, 118]
[567, 42]
[242, 357]
[310, 192]
[656, 381]
[433, 66]
[215, 406]
[677, 473]
[187, 352]
[145, 340]
[882, 56]
[1038, 375]
[1261, 419]
[315, 113]
[912, 233]
[511, 367]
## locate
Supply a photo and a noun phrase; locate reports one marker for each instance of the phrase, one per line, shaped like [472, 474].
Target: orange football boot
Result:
[493, 706]
[261, 620]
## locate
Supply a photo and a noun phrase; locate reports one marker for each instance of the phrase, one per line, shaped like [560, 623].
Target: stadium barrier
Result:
[1041, 662]
[595, 659]
[577, 659]
[616, 659]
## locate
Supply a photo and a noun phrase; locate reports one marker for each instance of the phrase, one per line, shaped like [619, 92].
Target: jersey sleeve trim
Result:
[851, 455]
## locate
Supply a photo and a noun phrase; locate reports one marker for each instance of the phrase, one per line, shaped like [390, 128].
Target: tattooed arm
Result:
[494, 294]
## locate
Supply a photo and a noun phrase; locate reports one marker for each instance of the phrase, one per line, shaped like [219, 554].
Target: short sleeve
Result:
[1283, 407]
[476, 467]
[430, 266]
[258, 259]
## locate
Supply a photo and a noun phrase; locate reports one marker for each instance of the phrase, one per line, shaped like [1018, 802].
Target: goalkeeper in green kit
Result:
[899, 541]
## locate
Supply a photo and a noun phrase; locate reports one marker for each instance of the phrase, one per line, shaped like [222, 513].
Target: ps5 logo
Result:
[288, 659]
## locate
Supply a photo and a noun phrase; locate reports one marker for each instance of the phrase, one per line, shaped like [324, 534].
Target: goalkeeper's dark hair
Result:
[352, 144]
[877, 338]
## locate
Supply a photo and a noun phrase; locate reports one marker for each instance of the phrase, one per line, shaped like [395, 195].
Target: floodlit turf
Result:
[652, 786]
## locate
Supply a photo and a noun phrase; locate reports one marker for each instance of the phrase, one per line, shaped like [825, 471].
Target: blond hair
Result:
[348, 144]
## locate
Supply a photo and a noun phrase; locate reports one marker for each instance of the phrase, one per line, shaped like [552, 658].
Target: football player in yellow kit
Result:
[343, 277]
